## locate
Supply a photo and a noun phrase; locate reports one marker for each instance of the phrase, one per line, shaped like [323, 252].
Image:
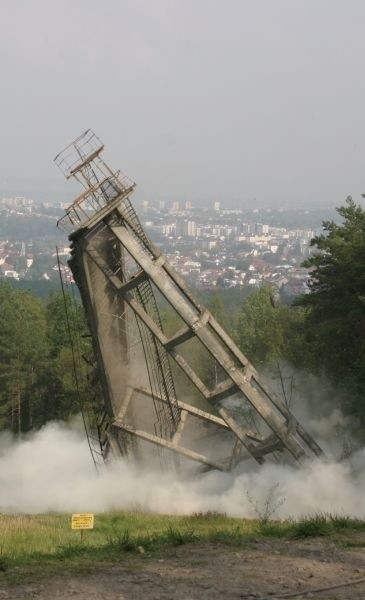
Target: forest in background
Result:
[321, 334]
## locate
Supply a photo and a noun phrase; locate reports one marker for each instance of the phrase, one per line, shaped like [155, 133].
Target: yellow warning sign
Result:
[82, 521]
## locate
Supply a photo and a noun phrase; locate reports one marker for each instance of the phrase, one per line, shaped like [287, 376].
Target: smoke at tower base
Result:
[51, 470]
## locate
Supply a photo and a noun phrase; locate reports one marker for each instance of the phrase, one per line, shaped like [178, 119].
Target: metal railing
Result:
[94, 199]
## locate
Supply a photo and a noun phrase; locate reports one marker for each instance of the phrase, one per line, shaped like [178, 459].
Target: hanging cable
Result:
[78, 393]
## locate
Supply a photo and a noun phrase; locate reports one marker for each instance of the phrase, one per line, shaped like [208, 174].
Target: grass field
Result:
[47, 540]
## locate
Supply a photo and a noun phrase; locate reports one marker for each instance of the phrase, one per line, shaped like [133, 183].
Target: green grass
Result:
[323, 524]
[24, 538]
[31, 542]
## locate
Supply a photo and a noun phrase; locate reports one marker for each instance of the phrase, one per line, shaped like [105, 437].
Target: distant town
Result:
[213, 247]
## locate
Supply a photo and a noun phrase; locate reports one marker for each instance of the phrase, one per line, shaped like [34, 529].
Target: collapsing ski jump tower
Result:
[153, 391]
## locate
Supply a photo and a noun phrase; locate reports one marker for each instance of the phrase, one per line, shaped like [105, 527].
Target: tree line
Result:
[37, 381]
[322, 333]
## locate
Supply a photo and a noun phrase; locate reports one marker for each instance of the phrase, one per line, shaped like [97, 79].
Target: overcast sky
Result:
[194, 99]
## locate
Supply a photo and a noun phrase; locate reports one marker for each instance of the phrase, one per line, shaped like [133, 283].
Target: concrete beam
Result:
[154, 439]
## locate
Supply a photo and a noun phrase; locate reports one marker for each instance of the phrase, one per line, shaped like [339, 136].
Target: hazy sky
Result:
[194, 99]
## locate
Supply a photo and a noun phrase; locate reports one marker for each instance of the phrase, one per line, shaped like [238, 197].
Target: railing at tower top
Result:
[81, 160]
[88, 204]
[82, 150]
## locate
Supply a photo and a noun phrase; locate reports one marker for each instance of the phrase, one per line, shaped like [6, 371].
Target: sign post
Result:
[82, 521]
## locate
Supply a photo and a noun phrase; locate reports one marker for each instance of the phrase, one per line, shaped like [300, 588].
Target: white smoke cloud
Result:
[52, 470]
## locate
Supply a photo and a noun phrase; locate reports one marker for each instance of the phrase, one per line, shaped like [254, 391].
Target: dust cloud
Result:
[51, 470]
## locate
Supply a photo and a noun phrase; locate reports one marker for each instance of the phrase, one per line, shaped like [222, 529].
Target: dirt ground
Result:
[264, 569]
